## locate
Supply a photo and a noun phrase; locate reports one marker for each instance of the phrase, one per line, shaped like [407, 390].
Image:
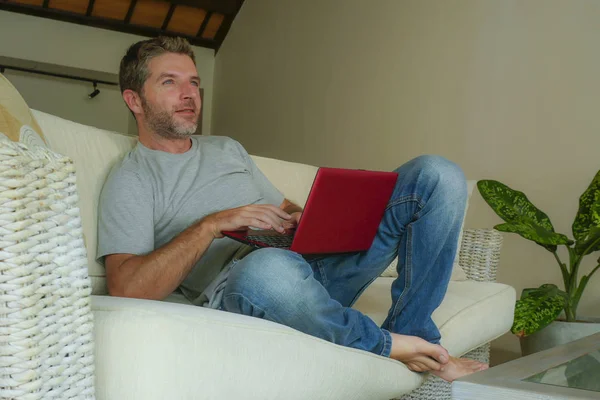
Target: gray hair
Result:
[133, 71]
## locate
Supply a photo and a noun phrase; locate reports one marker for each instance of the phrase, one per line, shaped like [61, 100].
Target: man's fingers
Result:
[257, 223]
[281, 213]
[276, 210]
[270, 218]
[265, 216]
[263, 220]
[275, 222]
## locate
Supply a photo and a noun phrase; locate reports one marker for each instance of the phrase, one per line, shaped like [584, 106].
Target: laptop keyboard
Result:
[281, 241]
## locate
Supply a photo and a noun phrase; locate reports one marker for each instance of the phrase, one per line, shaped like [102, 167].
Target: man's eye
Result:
[195, 83]
[168, 81]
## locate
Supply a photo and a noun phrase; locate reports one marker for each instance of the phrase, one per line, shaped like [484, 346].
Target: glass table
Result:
[570, 371]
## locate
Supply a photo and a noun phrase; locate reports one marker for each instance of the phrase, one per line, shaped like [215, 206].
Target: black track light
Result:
[96, 91]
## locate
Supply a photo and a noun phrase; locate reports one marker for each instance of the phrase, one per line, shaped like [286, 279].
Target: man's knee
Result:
[447, 176]
[266, 279]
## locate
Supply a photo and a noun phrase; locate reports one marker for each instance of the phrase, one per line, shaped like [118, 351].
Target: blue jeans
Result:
[421, 225]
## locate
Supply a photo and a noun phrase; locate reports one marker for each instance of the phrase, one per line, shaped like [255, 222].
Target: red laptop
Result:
[342, 214]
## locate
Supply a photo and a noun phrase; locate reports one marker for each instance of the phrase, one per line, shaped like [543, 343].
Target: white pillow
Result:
[457, 272]
[94, 151]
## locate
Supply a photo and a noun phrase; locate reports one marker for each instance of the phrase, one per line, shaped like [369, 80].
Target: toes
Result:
[475, 365]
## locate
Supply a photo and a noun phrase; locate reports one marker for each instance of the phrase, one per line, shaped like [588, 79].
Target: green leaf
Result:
[537, 308]
[586, 227]
[521, 216]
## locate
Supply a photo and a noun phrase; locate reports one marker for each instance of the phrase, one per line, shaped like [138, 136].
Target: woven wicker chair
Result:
[46, 343]
[479, 257]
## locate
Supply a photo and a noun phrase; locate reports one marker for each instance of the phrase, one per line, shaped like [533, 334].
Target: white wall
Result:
[509, 89]
[45, 40]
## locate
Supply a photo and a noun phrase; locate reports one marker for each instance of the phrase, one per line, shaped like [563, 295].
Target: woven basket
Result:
[46, 344]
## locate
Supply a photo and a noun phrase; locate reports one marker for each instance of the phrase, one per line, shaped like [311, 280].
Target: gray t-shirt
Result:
[151, 196]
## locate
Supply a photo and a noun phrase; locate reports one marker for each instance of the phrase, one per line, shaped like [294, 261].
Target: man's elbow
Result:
[120, 289]
[117, 289]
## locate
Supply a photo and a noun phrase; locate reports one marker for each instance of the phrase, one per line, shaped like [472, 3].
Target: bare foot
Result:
[418, 354]
[459, 367]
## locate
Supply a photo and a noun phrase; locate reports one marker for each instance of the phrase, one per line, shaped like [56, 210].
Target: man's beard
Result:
[163, 123]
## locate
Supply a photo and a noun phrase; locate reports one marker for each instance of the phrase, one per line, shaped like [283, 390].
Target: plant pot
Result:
[557, 333]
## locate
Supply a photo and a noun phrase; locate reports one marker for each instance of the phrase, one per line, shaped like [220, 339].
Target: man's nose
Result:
[190, 91]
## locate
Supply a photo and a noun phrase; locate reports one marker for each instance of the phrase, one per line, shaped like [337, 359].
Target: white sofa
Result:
[163, 350]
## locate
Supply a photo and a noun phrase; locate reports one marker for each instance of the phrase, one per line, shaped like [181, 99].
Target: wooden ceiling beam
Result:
[90, 8]
[204, 23]
[99, 22]
[130, 11]
[219, 6]
[168, 17]
[226, 24]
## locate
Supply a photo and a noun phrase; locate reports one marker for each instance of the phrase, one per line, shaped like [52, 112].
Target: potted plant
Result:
[539, 307]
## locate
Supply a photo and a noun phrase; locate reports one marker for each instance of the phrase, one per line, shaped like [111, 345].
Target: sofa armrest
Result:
[157, 350]
[480, 254]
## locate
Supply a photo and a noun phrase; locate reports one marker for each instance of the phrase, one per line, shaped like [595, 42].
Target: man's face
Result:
[171, 96]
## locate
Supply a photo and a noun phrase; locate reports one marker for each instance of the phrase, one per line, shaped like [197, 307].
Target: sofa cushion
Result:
[157, 350]
[292, 179]
[471, 314]
[16, 120]
[94, 152]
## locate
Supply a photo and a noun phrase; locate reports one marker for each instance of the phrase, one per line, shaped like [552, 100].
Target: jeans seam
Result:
[325, 281]
[407, 273]
[248, 300]
[405, 199]
[387, 343]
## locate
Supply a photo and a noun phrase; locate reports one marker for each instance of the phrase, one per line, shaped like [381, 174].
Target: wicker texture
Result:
[479, 257]
[46, 343]
[480, 254]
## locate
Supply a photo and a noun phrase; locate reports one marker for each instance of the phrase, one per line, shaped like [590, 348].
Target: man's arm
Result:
[155, 275]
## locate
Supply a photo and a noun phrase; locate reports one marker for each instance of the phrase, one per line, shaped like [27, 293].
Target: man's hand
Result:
[264, 216]
[293, 221]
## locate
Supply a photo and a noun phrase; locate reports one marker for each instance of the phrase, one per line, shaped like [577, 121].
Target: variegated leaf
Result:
[521, 216]
[586, 227]
[537, 308]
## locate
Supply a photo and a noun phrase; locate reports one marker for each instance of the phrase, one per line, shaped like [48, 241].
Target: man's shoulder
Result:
[217, 141]
[226, 145]
[127, 169]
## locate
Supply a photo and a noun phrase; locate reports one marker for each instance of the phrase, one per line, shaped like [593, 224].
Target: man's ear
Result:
[133, 101]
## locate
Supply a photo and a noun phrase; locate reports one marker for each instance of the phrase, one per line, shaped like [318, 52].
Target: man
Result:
[164, 207]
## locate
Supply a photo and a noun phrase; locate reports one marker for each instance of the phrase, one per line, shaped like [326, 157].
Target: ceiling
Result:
[204, 23]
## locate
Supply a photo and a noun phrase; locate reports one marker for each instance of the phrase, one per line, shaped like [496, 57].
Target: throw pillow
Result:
[16, 121]
[45, 289]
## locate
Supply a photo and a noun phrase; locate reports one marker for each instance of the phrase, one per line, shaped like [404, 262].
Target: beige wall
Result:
[509, 89]
[45, 40]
